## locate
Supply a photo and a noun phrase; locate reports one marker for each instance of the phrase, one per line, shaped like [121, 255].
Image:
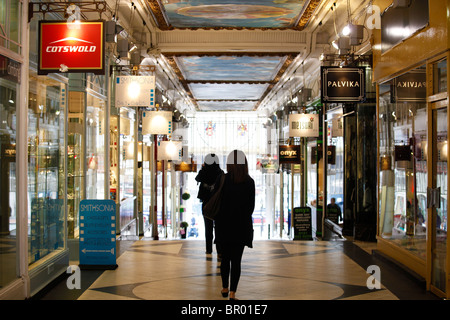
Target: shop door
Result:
[437, 200]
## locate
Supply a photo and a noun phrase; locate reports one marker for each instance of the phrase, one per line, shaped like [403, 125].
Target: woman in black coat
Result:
[207, 177]
[234, 225]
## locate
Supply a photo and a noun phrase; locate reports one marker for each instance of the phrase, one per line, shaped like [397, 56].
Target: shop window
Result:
[95, 148]
[46, 174]
[8, 214]
[440, 77]
[10, 19]
[403, 167]
[335, 164]
[126, 165]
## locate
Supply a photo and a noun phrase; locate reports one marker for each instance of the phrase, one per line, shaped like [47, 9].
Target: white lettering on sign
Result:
[97, 207]
[411, 84]
[71, 49]
[343, 84]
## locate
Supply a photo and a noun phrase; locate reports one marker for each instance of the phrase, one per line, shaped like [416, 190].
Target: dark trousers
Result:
[209, 234]
[230, 268]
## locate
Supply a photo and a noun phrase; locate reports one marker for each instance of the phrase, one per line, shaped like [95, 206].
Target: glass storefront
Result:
[335, 165]
[10, 18]
[126, 165]
[8, 212]
[46, 167]
[95, 147]
[403, 174]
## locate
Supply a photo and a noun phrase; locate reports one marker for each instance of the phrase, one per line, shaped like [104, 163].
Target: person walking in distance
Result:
[233, 224]
[207, 176]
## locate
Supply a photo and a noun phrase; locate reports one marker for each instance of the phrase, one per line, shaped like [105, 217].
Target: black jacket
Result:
[234, 222]
[207, 176]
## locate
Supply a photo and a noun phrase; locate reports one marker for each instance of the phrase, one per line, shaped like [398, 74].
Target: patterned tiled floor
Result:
[272, 270]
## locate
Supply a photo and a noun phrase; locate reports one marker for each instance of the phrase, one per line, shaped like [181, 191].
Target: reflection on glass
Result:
[335, 167]
[403, 172]
[439, 247]
[8, 224]
[95, 148]
[312, 154]
[440, 77]
[126, 164]
[10, 17]
[75, 161]
[46, 154]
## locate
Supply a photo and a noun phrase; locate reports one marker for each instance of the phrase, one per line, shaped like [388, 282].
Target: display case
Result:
[46, 172]
[74, 177]
[403, 174]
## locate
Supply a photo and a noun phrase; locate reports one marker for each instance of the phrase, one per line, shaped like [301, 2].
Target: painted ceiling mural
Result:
[229, 68]
[244, 13]
[228, 82]
[259, 14]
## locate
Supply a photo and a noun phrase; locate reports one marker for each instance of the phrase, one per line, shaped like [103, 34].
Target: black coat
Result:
[207, 177]
[234, 222]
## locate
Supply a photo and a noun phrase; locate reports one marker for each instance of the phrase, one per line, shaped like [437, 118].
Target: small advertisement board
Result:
[98, 234]
[302, 223]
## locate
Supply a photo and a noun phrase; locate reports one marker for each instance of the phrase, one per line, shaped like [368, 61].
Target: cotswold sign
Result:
[342, 84]
[410, 87]
[289, 154]
[69, 47]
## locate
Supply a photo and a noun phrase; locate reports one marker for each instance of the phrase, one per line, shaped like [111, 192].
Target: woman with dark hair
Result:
[207, 177]
[234, 225]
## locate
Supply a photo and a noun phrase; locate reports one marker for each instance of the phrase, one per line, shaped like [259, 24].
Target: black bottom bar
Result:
[98, 266]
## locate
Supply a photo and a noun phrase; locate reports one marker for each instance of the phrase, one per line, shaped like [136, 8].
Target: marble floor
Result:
[271, 270]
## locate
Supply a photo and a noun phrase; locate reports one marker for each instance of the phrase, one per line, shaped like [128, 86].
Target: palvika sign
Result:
[342, 84]
[410, 87]
[74, 47]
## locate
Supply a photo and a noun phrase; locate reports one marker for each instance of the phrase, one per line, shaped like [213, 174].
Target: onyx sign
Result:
[342, 84]
[289, 154]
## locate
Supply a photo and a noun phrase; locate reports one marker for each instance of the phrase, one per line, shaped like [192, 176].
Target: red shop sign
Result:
[74, 47]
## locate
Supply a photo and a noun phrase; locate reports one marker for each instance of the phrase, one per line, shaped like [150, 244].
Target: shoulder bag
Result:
[212, 206]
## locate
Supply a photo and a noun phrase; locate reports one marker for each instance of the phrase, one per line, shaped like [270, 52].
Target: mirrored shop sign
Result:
[9, 69]
[410, 87]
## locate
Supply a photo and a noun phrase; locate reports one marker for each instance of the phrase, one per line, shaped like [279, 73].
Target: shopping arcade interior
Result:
[297, 71]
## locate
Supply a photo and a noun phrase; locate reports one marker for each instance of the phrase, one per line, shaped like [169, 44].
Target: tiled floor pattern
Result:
[272, 270]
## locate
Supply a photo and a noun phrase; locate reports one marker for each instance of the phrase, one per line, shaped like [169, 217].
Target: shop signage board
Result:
[156, 122]
[135, 91]
[337, 127]
[9, 69]
[69, 47]
[289, 154]
[304, 125]
[98, 234]
[410, 87]
[302, 223]
[170, 150]
[346, 84]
